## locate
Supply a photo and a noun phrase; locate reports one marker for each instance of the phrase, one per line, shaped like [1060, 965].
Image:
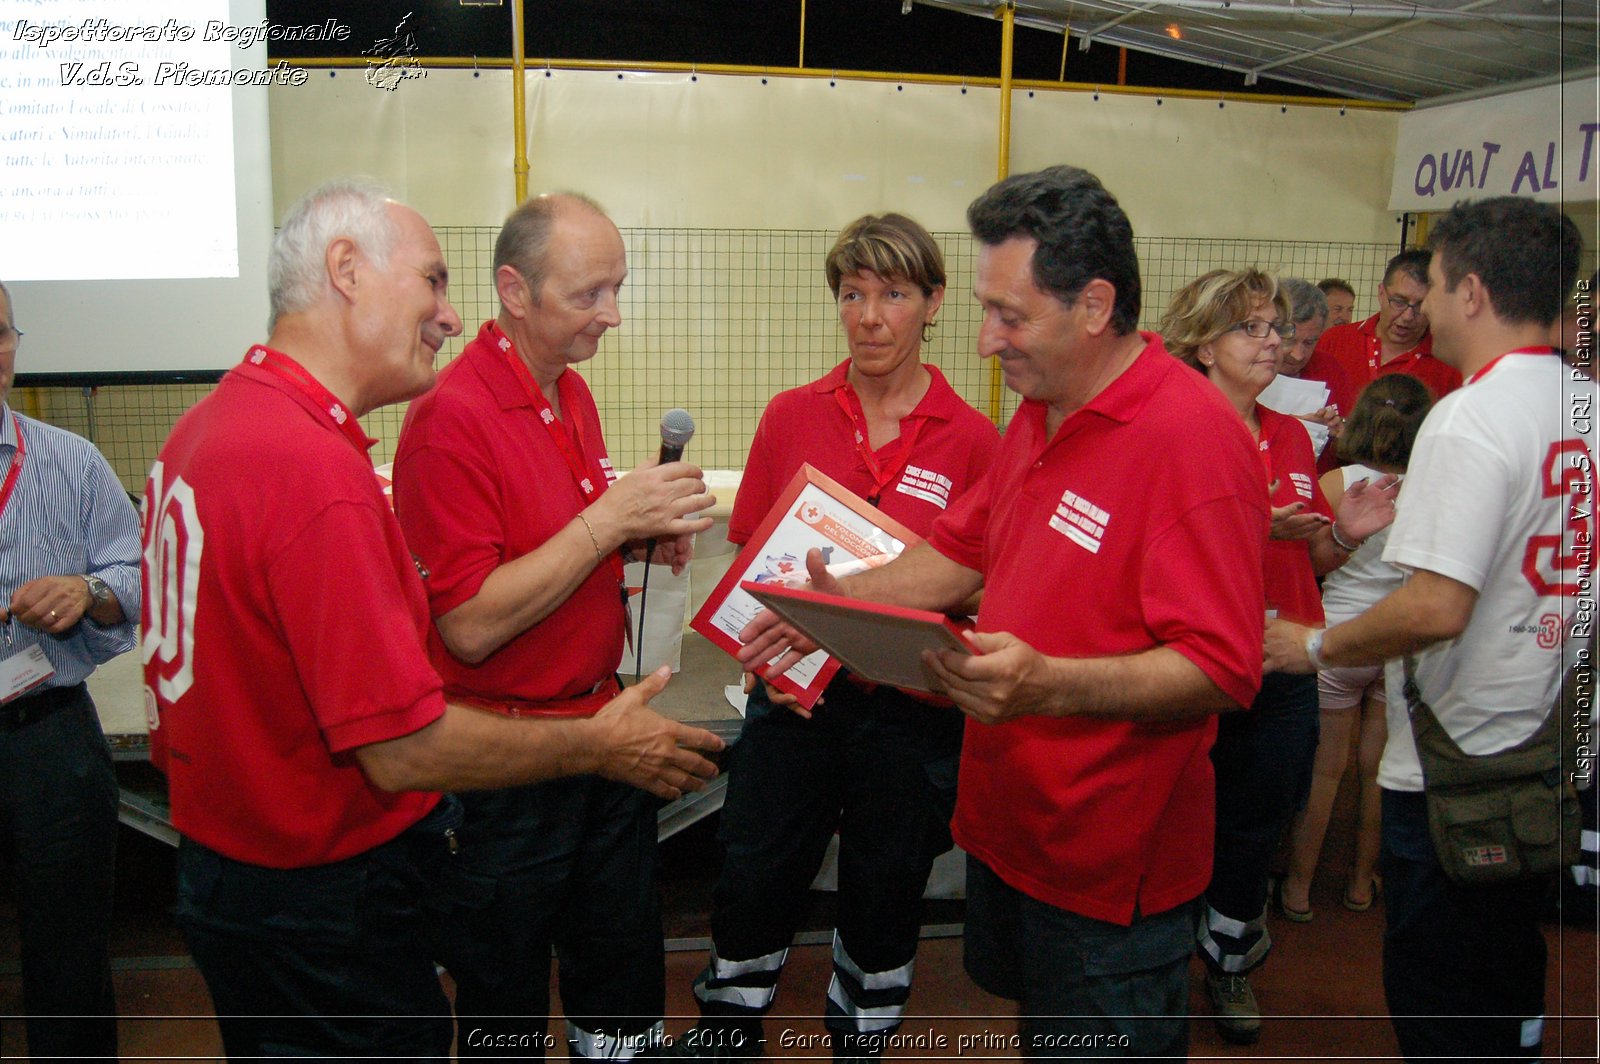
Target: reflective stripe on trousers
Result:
[866, 1002]
[747, 984]
[1235, 946]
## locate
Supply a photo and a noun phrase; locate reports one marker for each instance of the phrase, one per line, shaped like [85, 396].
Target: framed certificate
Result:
[880, 643]
[814, 512]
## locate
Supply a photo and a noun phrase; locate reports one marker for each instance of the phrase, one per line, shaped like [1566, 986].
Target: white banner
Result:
[1539, 143]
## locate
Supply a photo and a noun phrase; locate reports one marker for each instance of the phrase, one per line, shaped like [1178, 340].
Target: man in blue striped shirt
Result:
[69, 588]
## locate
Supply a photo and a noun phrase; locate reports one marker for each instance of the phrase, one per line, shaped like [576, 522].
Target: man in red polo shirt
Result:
[1121, 569]
[505, 491]
[1341, 300]
[290, 698]
[1396, 339]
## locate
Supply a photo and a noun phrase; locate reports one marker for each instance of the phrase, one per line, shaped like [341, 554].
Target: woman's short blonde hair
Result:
[890, 245]
[1213, 303]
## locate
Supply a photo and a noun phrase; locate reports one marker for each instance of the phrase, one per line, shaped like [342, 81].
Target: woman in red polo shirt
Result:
[1229, 325]
[874, 764]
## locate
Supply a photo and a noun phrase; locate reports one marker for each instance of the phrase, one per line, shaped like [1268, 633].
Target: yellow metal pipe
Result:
[1419, 232]
[801, 62]
[1008, 26]
[519, 104]
[1066, 39]
[736, 70]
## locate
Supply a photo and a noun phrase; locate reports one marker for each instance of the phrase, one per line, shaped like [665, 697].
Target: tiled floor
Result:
[1321, 993]
[1321, 989]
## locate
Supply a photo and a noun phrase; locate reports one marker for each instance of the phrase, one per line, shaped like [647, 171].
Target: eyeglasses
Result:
[9, 337]
[1401, 306]
[1257, 329]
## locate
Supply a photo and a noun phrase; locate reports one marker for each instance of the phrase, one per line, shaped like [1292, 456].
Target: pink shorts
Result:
[1344, 688]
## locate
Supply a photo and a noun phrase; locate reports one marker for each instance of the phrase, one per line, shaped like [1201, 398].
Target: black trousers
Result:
[1263, 759]
[1463, 966]
[571, 864]
[329, 961]
[878, 767]
[58, 813]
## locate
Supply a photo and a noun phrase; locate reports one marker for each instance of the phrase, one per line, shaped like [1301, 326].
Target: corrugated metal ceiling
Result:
[1364, 49]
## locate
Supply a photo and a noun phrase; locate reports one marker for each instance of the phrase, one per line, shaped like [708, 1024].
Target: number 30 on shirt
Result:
[173, 543]
[1563, 564]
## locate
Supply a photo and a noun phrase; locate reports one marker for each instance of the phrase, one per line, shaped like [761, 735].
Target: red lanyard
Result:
[1264, 445]
[294, 374]
[1519, 351]
[10, 484]
[571, 449]
[882, 475]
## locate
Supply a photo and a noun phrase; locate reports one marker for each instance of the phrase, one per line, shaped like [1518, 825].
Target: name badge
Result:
[21, 673]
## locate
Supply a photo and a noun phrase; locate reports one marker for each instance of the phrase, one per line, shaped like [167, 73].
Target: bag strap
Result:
[1444, 762]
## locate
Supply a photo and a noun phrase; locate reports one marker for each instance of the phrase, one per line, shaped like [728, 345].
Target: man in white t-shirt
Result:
[1496, 531]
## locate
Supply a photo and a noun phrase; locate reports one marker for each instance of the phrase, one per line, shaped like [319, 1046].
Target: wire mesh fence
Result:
[716, 321]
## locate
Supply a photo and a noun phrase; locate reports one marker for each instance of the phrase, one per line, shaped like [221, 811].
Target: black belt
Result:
[39, 705]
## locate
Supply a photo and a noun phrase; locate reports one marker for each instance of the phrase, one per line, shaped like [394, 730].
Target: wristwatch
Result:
[99, 592]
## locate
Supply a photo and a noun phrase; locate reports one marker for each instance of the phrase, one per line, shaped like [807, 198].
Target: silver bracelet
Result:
[1314, 648]
[1340, 542]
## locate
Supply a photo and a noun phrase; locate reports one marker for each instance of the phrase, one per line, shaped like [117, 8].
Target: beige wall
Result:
[1187, 167]
[798, 153]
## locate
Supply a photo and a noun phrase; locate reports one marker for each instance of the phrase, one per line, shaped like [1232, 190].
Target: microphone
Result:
[677, 429]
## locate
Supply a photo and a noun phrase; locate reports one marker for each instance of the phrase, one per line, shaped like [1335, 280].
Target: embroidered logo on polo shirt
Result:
[1302, 485]
[547, 415]
[926, 485]
[1080, 521]
[606, 468]
[337, 413]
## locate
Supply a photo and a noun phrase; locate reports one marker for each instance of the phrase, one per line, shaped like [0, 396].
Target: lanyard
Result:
[571, 449]
[15, 471]
[882, 474]
[294, 374]
[1519, 351]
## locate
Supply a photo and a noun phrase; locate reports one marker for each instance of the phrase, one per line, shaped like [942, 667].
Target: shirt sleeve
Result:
[449, 508]
[111, 534]
[353, 635]
[1206, 603]
[960, 532]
